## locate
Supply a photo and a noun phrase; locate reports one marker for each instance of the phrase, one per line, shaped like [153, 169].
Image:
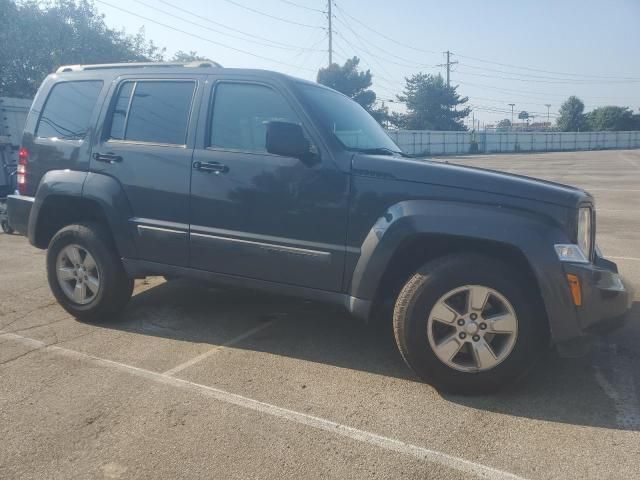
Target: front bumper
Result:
[18, 211]
[606, 302]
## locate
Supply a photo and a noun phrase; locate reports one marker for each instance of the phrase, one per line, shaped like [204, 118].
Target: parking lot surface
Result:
[197, 382]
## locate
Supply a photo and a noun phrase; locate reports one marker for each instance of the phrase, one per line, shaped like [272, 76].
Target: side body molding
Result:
[530, 233]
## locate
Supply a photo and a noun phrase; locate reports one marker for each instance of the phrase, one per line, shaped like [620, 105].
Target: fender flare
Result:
[103, 190]
[532, 234]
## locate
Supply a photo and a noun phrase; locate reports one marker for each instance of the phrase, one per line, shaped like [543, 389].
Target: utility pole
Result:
[512, 105]
[448, 65]
[330, 33]
[548, 105]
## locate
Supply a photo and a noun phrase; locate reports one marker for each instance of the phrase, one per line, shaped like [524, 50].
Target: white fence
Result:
[426, 142]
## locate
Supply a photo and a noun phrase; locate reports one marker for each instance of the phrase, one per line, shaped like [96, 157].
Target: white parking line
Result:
[208, 353]
[623, 258]
[424, 454]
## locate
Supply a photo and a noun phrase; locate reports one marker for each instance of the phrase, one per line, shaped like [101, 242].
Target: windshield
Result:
[347, 120]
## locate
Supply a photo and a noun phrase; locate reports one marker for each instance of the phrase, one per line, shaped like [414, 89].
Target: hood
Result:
[468, 178]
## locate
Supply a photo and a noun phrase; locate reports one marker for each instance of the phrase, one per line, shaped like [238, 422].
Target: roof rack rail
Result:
[104, 66]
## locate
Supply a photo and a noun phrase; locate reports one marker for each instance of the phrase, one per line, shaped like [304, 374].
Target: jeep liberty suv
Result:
[255, 179]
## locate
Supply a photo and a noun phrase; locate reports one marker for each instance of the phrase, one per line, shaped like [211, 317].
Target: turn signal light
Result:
[576, 290]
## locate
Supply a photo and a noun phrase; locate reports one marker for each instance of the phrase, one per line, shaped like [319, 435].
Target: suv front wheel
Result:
[85, 273]
[466, 324]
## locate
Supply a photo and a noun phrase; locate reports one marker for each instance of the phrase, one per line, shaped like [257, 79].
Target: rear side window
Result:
[240, 114]
[67, 111]
[152, 111]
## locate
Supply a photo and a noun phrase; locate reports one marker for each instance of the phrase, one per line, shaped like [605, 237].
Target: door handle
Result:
[210, 167]
[107, 157]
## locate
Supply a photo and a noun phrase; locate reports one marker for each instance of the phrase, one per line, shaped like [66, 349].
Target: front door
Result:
[258, 215]
[146, 144]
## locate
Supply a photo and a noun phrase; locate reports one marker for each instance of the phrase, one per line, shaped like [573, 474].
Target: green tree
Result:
[571, 118]
[431, 104]
[349, 80]
[186, 57]
[504, 124]
[36, 38]
[612, 118]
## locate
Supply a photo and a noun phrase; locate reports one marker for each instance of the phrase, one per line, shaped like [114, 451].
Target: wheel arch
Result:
[414, 232]
[67, 197]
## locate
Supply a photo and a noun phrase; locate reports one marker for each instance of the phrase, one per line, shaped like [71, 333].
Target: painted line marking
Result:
[216, 349]
[424, 454]
[589, 189]
[623, 258]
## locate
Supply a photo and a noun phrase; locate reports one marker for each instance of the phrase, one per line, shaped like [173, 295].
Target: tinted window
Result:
[68, 109]
[240, 114]
[157, 113]
[346, 119]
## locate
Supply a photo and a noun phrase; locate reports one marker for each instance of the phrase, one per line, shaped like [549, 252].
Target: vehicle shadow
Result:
[557, 390]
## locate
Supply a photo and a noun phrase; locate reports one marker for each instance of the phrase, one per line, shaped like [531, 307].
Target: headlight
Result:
[584, 231]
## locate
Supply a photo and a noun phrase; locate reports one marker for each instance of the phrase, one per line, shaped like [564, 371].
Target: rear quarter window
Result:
[67, 111]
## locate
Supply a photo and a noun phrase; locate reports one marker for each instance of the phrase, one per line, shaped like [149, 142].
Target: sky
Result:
[528, 53]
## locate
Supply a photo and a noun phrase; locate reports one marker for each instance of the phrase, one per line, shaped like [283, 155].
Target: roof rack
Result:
[104, 66]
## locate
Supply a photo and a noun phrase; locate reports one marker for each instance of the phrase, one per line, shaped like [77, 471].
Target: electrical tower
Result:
[330, 32]
[448, 65]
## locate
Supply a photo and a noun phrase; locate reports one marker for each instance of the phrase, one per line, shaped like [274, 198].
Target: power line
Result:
[570, 82]
[545, 71]
[302, 6]
[544, 76]
[197, 36]
[512, 92]
[173, 15]
[222, 25]
[410, 64]
[382, 34]
[259, 12]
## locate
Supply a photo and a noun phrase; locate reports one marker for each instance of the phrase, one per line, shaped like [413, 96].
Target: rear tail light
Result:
[21, 173]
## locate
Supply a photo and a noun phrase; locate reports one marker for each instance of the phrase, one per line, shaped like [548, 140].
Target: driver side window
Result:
[240, 114]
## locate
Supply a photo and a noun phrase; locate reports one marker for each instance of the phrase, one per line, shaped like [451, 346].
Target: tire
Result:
[113, 288]
[426, 342]
[6, 228]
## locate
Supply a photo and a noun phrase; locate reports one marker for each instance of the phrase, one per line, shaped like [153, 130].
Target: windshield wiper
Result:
[383, 151]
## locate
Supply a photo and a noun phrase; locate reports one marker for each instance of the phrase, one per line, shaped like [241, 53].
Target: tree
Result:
[36, 38]
[504, 124]
[612, 118]
[431, 104]
[571, 118]
[352, 82]
[191, 56]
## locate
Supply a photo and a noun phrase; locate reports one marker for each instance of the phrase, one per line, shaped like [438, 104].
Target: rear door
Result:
[146, 144]
[259, 215]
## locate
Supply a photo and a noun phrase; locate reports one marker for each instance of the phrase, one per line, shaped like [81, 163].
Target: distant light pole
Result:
[548, 105]
[512, 105]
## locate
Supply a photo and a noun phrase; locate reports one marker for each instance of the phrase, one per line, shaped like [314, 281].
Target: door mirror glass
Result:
[288, 139]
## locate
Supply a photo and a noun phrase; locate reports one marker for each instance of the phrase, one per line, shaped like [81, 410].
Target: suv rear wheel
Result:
[85, 273]
[465, 324]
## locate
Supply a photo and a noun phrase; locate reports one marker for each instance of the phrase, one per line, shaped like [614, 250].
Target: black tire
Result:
[115, 286]
[428, 285]
[6, 228]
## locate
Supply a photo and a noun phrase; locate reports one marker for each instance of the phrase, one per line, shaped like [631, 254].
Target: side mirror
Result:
[287, 139]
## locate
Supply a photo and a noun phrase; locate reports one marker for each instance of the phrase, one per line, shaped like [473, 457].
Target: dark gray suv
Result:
[255, 179]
